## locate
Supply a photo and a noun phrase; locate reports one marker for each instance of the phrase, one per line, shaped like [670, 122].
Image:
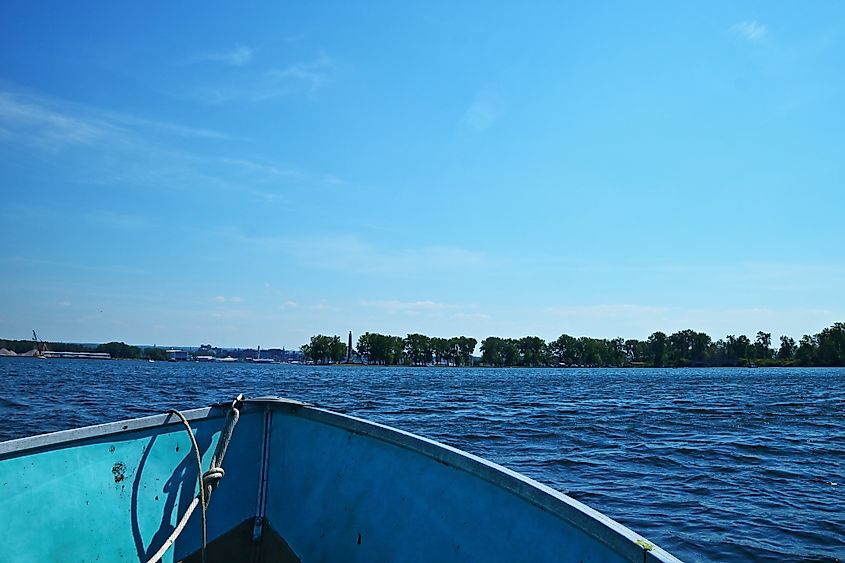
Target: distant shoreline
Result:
[408, 366]
[685, 348]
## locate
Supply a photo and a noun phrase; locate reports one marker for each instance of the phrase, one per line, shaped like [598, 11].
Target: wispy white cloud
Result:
[265, 178]
[224, 299]
[33, 123]
[163, 127]
[54, 124]
[750, 30]
[269, 170]
[119, 149]
[307, 77]
[237, 56]
[312, 74]
[354, 254]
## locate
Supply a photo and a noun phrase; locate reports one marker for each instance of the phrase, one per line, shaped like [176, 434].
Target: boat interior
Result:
[299, 483]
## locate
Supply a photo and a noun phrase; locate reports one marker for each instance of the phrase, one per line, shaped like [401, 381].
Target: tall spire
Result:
[349, 349]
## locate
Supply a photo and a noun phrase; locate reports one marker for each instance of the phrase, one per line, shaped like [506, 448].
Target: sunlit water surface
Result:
[710, 464]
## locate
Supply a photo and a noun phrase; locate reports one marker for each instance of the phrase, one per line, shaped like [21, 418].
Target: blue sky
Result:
[187, 173]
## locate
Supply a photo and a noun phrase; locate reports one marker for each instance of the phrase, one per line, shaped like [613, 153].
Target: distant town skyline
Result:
[255, 177]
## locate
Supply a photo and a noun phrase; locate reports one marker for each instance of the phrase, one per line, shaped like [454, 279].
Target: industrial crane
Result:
[40, 345]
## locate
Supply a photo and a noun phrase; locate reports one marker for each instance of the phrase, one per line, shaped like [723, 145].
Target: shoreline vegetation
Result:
[685, 348]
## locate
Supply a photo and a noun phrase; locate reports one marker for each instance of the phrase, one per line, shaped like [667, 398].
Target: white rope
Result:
[208, 481]
[176, 531]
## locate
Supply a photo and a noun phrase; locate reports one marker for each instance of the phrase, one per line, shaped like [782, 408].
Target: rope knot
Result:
[211, 478]
[208, 481]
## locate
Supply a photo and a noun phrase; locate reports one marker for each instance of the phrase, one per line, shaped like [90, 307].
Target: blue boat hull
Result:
[301, 484]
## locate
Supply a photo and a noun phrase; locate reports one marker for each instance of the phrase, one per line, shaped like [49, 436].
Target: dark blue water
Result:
[710, 464]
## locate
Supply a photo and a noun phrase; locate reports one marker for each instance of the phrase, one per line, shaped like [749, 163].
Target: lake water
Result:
[710, 464]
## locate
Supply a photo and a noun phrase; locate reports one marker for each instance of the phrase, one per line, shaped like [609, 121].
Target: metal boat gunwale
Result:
[30, 444]
[599, 526]
[566, 508]
[33, 444]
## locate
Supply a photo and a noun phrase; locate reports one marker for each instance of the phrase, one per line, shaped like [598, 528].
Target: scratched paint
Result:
[119, 471]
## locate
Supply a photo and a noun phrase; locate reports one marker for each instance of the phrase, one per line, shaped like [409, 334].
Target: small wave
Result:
[569, 462]
[480, 437]
[757, 448]
[4, 402]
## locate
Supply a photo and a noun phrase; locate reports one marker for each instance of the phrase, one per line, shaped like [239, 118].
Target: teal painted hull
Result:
[328, 487]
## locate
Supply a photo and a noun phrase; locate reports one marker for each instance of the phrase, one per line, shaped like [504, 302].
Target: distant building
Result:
[77, 355]
[177, 355]
[206, 350]
[244, 354]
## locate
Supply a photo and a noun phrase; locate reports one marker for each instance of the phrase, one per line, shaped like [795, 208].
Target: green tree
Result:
[452, 353]
[500, 352]
[688, 347]
[380, 348]
[591, 351]
[636, 351]
[763, 346]
[532, 350]
[680, 348]
[395, 350]
[491, 351]
[363, 346]
[120, 350]
[311, 351]
[616, 352]
[831, 346]
[737, 349]
[324, 349]
[440, 348]
[337, 349]
[787, 349]
[807, 348]
[563, 349]
[157, 354]
[418, 349]
[510, 352]
[464, 348]
[657, 349]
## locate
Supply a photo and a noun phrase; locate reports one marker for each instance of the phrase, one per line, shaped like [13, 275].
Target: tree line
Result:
[685, 348]
[384, 349]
